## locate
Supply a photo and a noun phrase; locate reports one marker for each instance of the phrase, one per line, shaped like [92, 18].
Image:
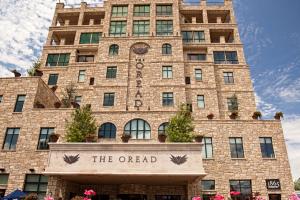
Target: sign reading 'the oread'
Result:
[180, 159]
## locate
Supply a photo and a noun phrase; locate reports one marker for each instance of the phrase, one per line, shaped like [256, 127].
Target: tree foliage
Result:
[69, 95]
[82, 125]
[35, 66]
[297, 185]
[180, 127]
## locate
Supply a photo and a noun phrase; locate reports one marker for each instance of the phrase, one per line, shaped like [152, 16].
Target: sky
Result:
[269, 29]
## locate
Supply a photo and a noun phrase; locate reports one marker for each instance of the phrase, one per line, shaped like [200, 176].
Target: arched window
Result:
[162, 128]
[138, 129]
[107, 130]
[114, 50]
[166, 49]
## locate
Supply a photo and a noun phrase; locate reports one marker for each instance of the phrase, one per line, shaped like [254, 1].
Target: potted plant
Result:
[198, 138]
[234, 115]
[90, 137]
[210, 116]
[256, 115]
[125, 137]
[31, 196]
[53, 137]
[162, 137]
[278, 115]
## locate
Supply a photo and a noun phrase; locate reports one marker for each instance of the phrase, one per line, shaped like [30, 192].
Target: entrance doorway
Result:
[100, 197]
[274, 196]
[131, 197]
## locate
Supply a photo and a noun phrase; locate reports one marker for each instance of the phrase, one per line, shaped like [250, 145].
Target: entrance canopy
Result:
[115, 163]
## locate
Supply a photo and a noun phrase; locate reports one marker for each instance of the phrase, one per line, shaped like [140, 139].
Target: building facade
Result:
[134, 63]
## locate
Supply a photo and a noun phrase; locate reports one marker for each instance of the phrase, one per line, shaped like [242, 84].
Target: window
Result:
[208, 196]
[166, 49]
[113, 50]
[111, 72]
[193, 36]
[11, 138]
[119, 11]
[78, 99]
[242, 186]
[236, 147]
[232, 103]
[90, 38]
[117, 28]
[2, 192]
[107, 130]
[167, 99]
[225, 57]
[58, 59]
[141, 10]
[228, 77]
[164, 10]
[81, 76]
[36, 183]
[196, 57]
[163, 128]
[19, 103]
[4, 179]
[208, 184]
[198, 74]
[207, 148]
[167, 72]
[141, 27]
[138, 129]
[1, 97]
[109, 99]
[44, 138]
[85, 58]
[266, 146]
[164, 27]
[187, 80]
[52, 80]
[200, 101]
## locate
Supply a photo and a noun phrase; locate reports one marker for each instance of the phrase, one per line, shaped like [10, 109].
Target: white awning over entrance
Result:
[142, 162]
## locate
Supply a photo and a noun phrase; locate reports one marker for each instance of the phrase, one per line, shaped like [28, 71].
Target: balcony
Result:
[63, 38]
[222, 36]
[218, 16]
[191, 17]
[86, 55]
[179, 162]
[67, 19]
[93, 18]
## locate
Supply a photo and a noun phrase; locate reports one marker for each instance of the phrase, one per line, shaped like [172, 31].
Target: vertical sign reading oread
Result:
[139, 77]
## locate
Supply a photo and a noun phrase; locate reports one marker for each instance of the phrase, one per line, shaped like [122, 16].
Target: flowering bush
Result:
[234, 193]
[294, 197]
[89, 194]
[218, 197]
[48, 198]
[196, 198]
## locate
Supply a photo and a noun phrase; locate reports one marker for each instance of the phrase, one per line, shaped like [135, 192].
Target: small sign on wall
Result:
[273, 184]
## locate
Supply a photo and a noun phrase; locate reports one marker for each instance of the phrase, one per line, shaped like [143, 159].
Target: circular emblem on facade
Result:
[140, 48]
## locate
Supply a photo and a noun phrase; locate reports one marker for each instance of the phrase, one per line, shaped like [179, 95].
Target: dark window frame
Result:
[241, 188]
[121, 11]
[193, 36]
[164, 10]
[167, 99]
[267, 149]
[14, 137]
[52, 79]
[45, 145]
[114, 50]
[236, 147]
[19, 105]
[109, 99]
[81, 73]
[90, 38]
[197, 70]
[196, 57]
[163, 128]
[213, 185]
[111, 72]
[142, 27]
[166, 49]
[107, 130]
[169, 72]
[134, 132]
[207, 143]
[5, 176]
[60, 59]
[228, 77]
[141, 11]
[85, 58]
[225, 57]
[164, 27]
[39, 183]
[118, 25]
[201, 100]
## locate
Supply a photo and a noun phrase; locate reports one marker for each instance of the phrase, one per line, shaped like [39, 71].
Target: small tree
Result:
[297, 184]
[35, 66]
[180, 128]
[82, 125]
[69, 95]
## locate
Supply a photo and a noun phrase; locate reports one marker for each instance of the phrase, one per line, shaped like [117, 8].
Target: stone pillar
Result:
[91, 22]
[67, 22]
[203, 3]
[83, 6]
[194, 20]
[219, 20]
[204, 15]
[55, 187]
[222, 39]
[62, 41]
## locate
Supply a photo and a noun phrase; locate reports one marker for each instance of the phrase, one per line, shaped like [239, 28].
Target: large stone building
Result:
[135, 62]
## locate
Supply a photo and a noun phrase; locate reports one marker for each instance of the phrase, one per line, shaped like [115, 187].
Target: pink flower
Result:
[218, 197]
[196, 198]
[87, 192]
[235, 193]
[48, 198]
[294, 197]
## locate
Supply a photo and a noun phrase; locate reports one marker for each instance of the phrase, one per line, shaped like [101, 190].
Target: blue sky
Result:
[269, 29]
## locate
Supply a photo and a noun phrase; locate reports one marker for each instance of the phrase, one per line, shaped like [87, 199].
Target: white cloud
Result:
[291, 127]
[267, 109]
